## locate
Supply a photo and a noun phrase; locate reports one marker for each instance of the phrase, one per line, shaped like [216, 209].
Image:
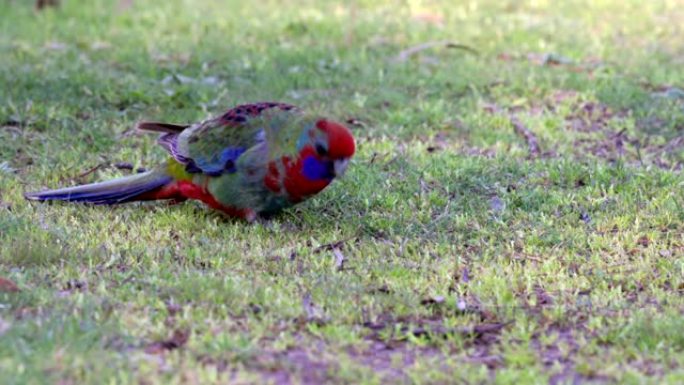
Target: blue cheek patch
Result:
[314, 169]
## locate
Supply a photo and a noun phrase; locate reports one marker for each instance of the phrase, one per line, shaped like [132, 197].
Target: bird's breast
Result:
[294, 178]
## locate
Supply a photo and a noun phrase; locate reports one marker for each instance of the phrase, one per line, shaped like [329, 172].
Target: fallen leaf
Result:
[8, 286]
[72, 286]
[584, 217]
[123, 166]
[179, 338]
[173, 308]
[384, 289]
[339, 259]
[436, 300]
[644, 241]
[465, 275]
[496, 204]
[40, 4]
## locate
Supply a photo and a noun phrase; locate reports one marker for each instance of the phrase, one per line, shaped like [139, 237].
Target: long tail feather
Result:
[131, 188]
[162, 127]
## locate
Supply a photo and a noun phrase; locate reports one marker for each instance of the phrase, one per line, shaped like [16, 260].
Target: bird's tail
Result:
[149, 185]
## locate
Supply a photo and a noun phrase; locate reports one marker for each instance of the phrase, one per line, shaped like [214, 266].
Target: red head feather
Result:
[340, 140]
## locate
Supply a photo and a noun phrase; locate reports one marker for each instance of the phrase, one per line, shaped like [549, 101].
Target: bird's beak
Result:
[341, 166]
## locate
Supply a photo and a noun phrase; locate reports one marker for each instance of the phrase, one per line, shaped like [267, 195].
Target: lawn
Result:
[514, 213]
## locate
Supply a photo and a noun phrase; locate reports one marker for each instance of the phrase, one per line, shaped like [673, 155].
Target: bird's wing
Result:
[213, 146]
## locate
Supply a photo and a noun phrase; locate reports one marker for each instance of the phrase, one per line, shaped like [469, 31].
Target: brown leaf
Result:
[123, 166]
[71, 286]
[40, 4]
[384, 289]
[178, 339]
[436, 300]
[644, 241]
[7, 286]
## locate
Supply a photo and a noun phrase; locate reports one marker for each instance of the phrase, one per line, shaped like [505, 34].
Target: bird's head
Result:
[325, 149]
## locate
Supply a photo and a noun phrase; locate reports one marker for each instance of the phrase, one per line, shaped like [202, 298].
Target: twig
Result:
[407, 53]
[88, 172]
[530, 138]
[332, 246]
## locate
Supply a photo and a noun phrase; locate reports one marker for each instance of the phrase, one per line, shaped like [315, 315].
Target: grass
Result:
[462, 256]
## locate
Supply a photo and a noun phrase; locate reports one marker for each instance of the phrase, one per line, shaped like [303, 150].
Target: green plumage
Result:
[255, 158]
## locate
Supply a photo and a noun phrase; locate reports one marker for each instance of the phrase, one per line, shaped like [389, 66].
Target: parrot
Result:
[252, 161]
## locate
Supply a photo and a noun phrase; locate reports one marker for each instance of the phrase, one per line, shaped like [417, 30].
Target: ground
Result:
[514, 213]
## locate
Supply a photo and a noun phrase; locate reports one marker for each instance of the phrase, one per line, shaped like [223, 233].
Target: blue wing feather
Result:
[213, 146]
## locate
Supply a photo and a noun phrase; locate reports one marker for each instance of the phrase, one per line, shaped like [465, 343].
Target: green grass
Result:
[466, 260]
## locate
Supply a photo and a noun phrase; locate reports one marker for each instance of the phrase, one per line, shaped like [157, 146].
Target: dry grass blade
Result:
[407, 53]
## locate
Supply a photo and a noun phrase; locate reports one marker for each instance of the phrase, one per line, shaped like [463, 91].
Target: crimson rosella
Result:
[255, 159]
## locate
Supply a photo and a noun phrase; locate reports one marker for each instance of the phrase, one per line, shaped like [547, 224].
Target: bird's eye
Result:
[321, 150]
